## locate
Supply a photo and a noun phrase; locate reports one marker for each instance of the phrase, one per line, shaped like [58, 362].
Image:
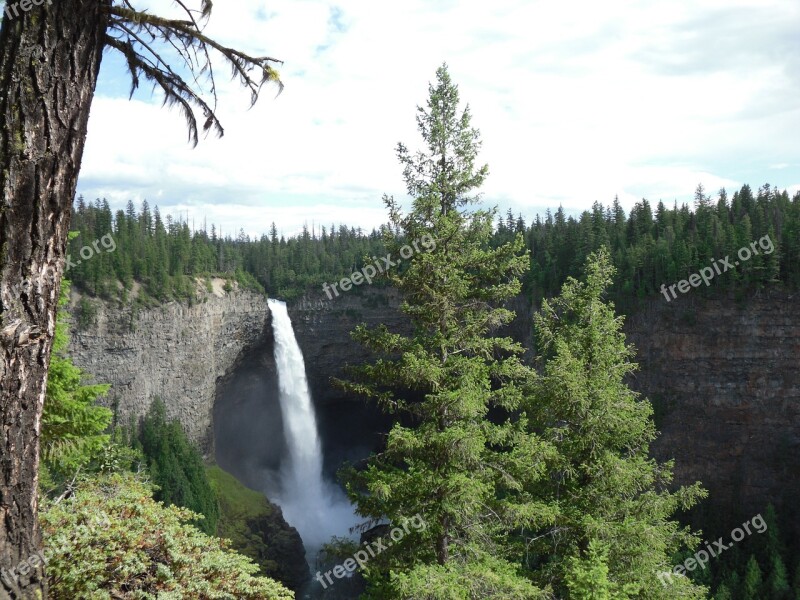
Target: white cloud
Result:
[576, 102]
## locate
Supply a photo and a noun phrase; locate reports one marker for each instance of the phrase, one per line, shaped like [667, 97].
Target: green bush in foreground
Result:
[488, 579]
[112, 540]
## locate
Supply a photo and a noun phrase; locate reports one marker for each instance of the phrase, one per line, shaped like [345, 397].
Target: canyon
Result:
[721, 373]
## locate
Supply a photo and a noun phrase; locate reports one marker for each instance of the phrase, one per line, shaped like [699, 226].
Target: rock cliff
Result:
[722, 376]
[173, 351]
[182, 354]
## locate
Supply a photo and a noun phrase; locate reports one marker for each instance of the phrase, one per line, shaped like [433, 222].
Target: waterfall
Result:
[316, 508]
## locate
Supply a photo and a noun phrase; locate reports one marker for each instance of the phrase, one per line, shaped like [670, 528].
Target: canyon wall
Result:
[174, 351]
[723, 377]
[721, 374]
[183, 354]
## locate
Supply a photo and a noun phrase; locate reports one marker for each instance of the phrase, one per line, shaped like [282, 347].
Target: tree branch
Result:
[128, 29]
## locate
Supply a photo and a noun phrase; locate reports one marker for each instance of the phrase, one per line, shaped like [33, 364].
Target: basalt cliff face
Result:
[174, 351]
[722, 375]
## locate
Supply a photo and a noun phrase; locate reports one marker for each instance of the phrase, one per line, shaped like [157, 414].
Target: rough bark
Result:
[49, 61]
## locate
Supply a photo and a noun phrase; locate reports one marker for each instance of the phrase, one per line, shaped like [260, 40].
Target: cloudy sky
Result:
[576, 102]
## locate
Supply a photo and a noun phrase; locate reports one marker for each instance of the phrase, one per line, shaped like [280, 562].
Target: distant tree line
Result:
[648, 248]
[165, 255]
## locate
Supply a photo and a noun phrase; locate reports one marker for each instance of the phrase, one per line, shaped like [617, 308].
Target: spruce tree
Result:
[464, 474]
[778, 581]
[73, 425]
[604, 483]
[753, 580]
[723, 593]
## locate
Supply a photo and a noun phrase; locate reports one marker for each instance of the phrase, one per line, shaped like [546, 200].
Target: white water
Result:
[316, 508]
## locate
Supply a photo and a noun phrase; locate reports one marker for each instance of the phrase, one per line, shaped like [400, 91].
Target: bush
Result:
[112, 540]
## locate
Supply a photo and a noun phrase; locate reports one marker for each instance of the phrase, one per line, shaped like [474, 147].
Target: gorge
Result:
[721, 374]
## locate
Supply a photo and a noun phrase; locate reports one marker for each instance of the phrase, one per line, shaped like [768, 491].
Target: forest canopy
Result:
[649, 246]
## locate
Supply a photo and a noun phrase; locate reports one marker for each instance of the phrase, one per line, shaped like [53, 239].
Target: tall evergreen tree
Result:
[177, 467]
[605, 485]
[465, 474]
[753, 581]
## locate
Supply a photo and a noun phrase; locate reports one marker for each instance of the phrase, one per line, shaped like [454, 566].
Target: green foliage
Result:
[73, 426]
[770, 551]
[723, 593]
[165, 256]
[753, 581]
[587, 577]
[778, 580]
[605, 484]
[176, 467]
[112, 540]
[484, 579]
[649, 248]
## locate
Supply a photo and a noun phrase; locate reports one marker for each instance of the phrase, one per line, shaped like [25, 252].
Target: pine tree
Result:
[446, 170]
[778, 580]
[464, 474]
[753, 581]
[73, 426]
[723, 593]
[605, 484]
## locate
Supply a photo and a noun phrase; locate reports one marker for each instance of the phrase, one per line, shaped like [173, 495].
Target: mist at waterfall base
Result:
[317, 508]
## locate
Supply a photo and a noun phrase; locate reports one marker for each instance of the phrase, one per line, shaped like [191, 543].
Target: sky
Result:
[576, 102]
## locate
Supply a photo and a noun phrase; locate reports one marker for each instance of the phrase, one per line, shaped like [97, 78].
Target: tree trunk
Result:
[49, 60]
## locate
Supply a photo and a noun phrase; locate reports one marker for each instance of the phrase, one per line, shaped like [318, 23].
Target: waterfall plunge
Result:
[316, 508]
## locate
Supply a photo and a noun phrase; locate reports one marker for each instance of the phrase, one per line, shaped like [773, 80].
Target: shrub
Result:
[110, 539]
